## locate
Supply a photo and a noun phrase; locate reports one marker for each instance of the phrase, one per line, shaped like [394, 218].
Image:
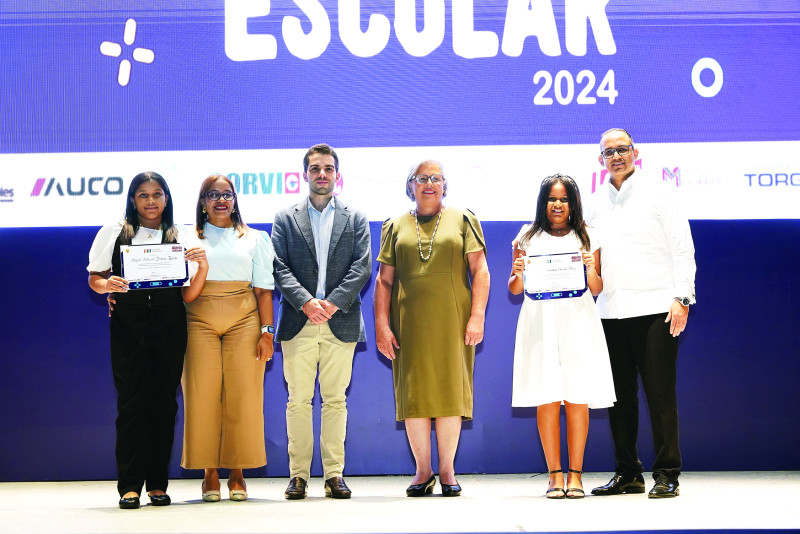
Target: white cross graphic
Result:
[142, 55]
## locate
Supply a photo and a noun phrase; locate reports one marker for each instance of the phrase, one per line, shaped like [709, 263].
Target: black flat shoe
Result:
[575, 493]
[160, 500]
[129, 503]
[420, 490]
[451, 490]
[619, 485]
[555, 493]
[664, 488]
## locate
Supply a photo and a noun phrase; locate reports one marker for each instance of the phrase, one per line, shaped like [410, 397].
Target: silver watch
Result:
[685, 301]
[267, 329]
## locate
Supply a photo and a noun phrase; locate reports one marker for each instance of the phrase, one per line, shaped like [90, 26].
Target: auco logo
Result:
[6, 195]
[93, 186]
[266, 183]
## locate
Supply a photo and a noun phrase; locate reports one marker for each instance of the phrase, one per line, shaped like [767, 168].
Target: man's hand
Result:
[678, 314]
[317, 312]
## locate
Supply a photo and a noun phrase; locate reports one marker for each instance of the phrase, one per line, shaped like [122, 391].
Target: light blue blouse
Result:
[232, 258]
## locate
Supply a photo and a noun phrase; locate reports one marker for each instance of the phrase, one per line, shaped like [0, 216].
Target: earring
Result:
[204, 210]
[233, 210]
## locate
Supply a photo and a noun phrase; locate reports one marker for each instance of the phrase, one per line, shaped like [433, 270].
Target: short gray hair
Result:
[413, 172]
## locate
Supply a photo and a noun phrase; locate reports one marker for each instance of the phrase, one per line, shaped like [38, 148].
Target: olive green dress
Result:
[431, 304]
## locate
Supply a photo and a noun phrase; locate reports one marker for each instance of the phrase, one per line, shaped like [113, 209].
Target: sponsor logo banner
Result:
[712, 180]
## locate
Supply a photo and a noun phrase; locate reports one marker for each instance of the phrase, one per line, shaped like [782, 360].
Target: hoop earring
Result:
[233, 210]
[204, 210]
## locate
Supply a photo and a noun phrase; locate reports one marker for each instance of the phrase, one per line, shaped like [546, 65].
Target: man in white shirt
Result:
[648, 268]
[322, 261]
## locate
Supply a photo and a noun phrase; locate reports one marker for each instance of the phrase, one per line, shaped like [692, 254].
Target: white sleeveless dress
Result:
[560, 352]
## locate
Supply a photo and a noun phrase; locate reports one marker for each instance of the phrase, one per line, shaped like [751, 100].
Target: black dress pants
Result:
[148, 344]
[644, 346]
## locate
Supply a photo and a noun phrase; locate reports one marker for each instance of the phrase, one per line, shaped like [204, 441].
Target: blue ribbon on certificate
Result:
[554, 276]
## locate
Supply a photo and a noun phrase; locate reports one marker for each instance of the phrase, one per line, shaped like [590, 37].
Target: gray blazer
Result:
[349, 269]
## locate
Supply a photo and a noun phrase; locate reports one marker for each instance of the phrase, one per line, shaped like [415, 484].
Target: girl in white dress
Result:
[560, 353]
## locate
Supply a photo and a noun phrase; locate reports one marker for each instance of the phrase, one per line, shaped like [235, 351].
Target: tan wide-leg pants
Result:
[223, 383]
[314, 346]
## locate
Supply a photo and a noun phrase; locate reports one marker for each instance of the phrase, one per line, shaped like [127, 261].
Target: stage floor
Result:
[490, 503]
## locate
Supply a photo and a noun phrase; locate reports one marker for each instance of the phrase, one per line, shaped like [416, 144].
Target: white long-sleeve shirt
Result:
[647, 252]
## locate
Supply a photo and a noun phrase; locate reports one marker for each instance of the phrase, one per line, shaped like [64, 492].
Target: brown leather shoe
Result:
[296, 489]
[336, 488]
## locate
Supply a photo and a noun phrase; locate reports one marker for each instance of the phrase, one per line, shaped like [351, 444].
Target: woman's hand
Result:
[384, 338]
[518, 266]
[588, 260]
[265, 347]
[197, 254]
[116, 284]
[474, 333]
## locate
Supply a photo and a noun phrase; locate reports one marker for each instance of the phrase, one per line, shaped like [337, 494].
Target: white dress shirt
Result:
[322, 226]
[647, 253]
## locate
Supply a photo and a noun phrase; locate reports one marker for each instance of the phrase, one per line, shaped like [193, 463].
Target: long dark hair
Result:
[201, 217]
[168, 228]
[575, 221]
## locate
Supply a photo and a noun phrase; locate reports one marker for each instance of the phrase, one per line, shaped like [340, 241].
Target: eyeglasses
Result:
[422, 179]
[621, 150]
[216, 195]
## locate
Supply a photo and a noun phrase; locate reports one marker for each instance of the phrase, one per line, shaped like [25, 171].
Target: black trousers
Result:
[147, 349]
[644, 346]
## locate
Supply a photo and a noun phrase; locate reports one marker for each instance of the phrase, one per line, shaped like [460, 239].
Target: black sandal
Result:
[577, 493]
[555, 493]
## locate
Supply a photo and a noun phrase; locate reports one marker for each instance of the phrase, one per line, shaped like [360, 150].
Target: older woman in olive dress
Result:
[428, 320]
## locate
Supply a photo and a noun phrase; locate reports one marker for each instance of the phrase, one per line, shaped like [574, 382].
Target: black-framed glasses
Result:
[621, 150]
[422, 179]
[216, 195]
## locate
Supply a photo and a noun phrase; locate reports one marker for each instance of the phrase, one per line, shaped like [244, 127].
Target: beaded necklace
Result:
[419, 241]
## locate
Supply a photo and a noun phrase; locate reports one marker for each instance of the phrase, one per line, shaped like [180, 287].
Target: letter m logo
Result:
[674, 174]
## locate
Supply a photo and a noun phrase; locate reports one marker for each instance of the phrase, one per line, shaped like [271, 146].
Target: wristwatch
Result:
[267, 329]
[685, 301]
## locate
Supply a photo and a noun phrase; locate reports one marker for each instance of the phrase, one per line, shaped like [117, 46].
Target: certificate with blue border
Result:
[154, 266]
[554, 276]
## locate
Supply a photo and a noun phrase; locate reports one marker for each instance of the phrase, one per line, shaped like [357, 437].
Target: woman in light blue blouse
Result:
[230, 341]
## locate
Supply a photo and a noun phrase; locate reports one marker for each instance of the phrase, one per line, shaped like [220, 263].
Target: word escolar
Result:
[523, 19]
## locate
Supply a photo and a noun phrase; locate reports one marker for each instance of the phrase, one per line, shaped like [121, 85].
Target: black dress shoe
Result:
[450, 490]
[664, 488]
[296, 489]
[619, 485]
[336, 488]
[160, 500]
[129, 503]
[420, 490]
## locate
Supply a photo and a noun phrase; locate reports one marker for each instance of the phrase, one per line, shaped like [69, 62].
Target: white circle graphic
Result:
[701, 65]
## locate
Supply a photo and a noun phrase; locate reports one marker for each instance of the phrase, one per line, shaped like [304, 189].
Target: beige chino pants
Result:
[223, 383]
[316, 346]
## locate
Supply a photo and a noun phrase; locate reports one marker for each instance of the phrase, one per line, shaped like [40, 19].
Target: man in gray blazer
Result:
[322, 261]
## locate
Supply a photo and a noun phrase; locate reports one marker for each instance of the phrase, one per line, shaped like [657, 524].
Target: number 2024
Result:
[564, 87]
